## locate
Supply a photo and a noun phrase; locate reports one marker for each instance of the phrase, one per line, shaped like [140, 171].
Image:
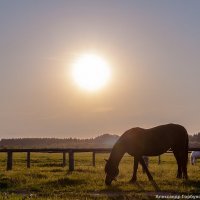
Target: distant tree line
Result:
[102, 141]
[194, 140]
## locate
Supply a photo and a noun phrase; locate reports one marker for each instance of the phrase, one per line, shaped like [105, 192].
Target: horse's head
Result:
[111, 172]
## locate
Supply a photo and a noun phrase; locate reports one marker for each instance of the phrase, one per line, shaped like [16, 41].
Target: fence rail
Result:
[70, 152]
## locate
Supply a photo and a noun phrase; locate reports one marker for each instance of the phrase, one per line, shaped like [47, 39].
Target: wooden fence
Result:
[69, 151]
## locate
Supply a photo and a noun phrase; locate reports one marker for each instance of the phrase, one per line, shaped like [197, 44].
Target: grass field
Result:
[47, 179]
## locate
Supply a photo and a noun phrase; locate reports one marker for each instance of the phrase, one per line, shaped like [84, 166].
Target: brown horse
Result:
[140, 142]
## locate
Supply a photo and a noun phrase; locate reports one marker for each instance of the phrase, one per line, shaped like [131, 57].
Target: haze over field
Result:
[151, 50]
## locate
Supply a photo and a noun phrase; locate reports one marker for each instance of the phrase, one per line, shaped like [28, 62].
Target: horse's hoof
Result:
[185, 177]
[132, 181]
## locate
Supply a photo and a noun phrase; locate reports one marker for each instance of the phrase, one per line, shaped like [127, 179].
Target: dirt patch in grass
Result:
[37, 175]
[56, 170]
[66, 181]
[85, 170]
[5, 183]
[122, 195]
[50, 165]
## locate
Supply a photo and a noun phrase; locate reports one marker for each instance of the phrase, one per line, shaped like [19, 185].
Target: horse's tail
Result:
[185, 157]
[186, 146]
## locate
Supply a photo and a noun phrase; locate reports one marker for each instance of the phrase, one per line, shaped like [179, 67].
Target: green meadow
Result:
[47, 179]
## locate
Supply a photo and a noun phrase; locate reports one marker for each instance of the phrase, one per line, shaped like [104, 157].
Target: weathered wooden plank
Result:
[71, 161]
[93, 159]
[28, 159]
[64, 159]
[9, 160]
[60, 150]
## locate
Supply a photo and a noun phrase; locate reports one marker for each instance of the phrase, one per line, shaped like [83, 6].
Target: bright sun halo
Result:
[90, 72]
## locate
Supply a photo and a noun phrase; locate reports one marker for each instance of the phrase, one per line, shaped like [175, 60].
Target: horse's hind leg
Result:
[184, 164]
[134, 177]
[146, 160]
[192, 160]
[146, 169]
[179, 163]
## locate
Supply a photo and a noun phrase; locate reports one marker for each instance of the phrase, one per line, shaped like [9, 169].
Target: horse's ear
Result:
[106, 160]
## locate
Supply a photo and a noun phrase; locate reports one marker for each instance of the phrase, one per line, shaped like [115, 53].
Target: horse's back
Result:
[168, 131]
[173, 133]
[156, 140]
[195, 154]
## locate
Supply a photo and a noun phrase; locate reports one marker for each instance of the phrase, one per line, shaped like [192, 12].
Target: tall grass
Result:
[47, 179]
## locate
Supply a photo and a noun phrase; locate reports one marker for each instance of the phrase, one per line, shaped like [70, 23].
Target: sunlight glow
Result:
[90, 72]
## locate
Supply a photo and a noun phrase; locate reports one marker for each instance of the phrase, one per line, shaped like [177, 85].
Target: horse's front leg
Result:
[135, 167]
[145, 168]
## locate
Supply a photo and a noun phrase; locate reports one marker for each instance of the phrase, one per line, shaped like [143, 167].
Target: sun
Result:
[90, 72]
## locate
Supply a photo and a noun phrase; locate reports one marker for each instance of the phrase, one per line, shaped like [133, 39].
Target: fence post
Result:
[28, 159]
[159, 160]
[64, 159]
[93, 159]
[71, 160]
[9, 160]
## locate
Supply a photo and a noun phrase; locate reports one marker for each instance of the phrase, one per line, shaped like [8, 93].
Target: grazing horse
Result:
[140, 142]
[193, 156]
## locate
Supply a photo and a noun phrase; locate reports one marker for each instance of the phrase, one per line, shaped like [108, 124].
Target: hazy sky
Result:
[153, 48]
